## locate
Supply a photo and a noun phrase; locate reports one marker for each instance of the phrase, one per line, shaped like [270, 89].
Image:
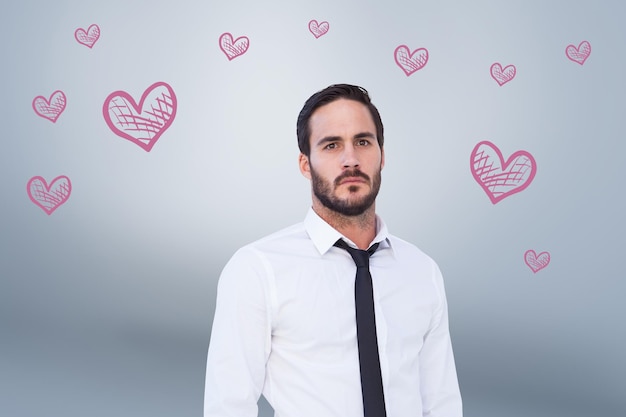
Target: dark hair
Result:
[326, 96]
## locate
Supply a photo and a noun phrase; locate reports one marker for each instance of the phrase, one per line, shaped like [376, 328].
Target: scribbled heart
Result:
[52, 108]
[143, 123]
[233, 48]
[410, 62]
[502, 75]
[536, 262]
[88, 37]
[49, 197]
[318, 29]
[579, 54]
[500, 178]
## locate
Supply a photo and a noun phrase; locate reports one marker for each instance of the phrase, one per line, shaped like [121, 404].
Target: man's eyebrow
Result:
[328, 139]
[364, 135]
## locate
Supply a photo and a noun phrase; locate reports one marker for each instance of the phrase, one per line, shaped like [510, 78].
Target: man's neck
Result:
[360, 229]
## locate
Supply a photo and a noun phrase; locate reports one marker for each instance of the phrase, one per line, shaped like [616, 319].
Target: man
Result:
[291, 321]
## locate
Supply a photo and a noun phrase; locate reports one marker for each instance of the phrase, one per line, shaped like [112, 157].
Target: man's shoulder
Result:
[295, 231]
[255, 254]
[405, 249]
[278, 240]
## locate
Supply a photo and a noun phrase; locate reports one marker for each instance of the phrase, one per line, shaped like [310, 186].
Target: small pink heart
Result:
[88, 37]
[502, 75]
[233, 48]
[579, 54]
[49, 197]
[410, 62]
[52, 108]
[318, 29]
[143, 123]
[536, 262]
[498, 178]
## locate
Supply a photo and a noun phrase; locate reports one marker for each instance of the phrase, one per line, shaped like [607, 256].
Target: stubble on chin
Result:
[324, 192]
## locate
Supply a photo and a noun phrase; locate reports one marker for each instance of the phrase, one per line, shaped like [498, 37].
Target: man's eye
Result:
[331, 146]
[363, 142]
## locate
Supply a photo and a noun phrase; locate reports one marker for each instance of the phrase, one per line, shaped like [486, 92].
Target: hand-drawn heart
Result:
[50, 109]
[49, 197]
[318, 29]
[580, 54]
[143, 123]
[536, 262]
[235, 48]
[498, 178]
[502, 75]
[87, 37]
[410, 62]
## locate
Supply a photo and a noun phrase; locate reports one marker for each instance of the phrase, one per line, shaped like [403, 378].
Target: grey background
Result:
[106, 305]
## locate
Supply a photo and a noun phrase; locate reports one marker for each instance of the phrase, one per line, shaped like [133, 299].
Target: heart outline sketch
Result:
[578, 54]
[502, 75]
[49, 197]
[50, 108]
[410, 62]
[318, 29]
[233, 48]
[133, 122]
[88, 37]
[536, 262]
[500, 178]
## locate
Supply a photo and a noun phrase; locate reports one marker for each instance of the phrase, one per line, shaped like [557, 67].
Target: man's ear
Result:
[382, 158]
[305, 166]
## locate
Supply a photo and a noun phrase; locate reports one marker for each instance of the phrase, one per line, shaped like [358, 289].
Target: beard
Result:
[324, 191]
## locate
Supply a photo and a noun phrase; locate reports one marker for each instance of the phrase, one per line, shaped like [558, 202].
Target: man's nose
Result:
[350, 157]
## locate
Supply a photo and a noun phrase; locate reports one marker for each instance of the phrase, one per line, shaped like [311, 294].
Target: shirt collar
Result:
[324, 235]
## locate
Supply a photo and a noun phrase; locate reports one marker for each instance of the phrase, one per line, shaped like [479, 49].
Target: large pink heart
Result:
[318, 29]
[536, 262]
[500, 178]
[579, 54]
[502, 75]
[233, 48]
[52, 108]
[87, 37]
[49, 197]
[143, 123]
[410, 62]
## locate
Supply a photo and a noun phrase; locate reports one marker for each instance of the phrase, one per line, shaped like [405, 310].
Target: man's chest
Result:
[313, 309]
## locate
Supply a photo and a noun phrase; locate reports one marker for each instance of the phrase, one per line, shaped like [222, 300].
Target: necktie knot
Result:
[361, 257]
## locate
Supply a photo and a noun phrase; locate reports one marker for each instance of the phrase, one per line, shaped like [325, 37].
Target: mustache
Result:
[351, 174]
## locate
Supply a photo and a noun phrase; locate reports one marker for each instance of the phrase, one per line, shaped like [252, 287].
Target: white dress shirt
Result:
[285, 327]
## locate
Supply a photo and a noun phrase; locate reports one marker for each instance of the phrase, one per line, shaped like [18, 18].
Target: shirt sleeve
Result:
[240, 339]
[439, 385]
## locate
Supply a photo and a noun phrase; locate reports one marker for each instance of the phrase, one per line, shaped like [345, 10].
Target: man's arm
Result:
[439, 384]
[240, 340]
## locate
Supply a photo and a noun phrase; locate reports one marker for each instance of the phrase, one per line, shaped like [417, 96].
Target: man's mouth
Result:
[352, 180]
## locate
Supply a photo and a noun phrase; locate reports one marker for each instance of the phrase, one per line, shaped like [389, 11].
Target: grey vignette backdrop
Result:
[106, 304]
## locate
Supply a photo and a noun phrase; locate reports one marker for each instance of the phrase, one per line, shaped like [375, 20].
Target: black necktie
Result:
[369, 361]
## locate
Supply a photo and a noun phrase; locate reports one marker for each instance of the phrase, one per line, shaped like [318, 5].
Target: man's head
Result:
[340, 138]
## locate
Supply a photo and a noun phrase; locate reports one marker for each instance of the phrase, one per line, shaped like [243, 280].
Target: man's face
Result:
[345, 161]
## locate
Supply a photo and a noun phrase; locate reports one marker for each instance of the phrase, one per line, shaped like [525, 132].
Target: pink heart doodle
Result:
[235, 48]
[88, 37]
[410, 62]
[502, 75]
[143, 123]
[536, 262]
[579, 54]
[49, 197]
[498, 178]
[50, 109]
[318, 29]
